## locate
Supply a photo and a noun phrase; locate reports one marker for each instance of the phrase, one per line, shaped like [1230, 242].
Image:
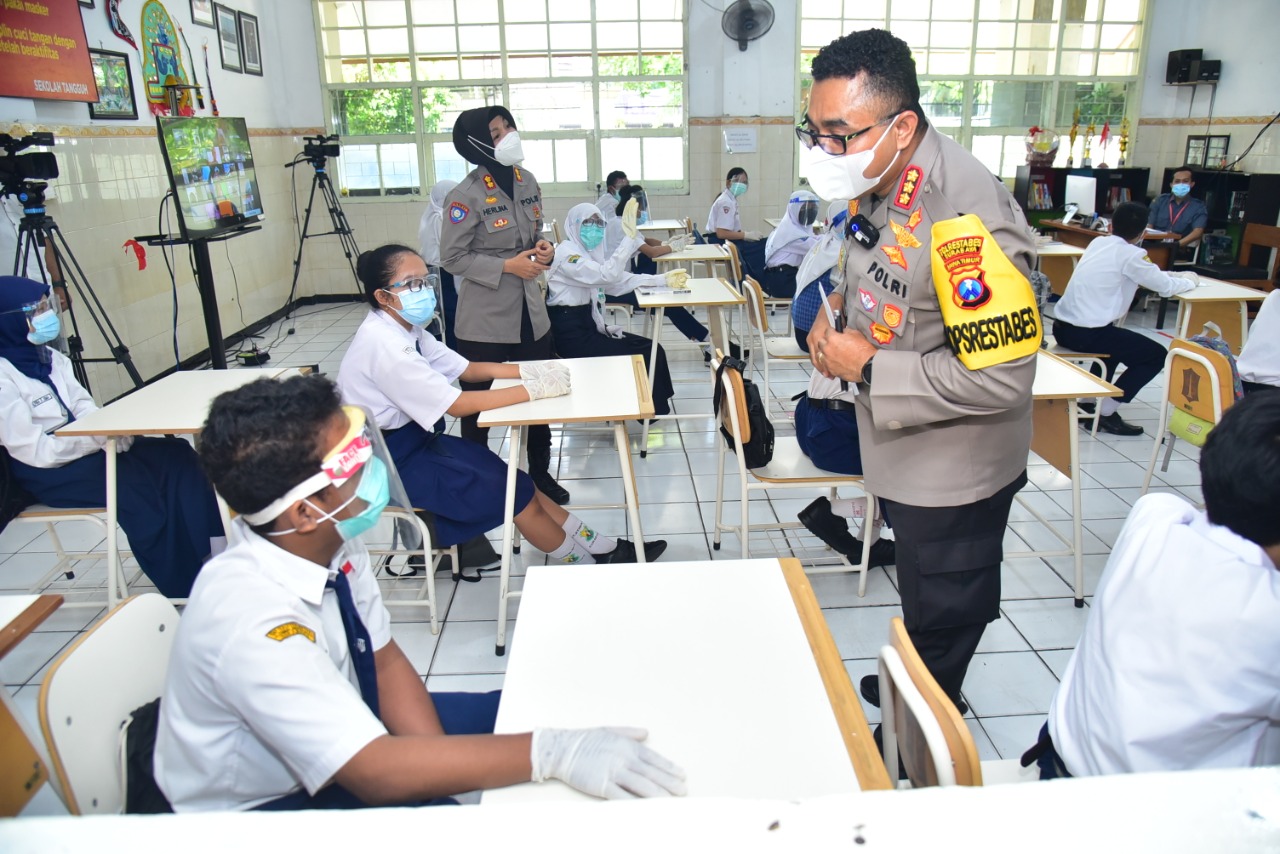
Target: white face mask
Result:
[840, 176]
[509, 151]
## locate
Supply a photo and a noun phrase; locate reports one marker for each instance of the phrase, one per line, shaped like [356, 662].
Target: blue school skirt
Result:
[462, 483]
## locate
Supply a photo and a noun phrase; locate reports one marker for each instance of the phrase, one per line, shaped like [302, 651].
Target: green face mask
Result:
[737, 188]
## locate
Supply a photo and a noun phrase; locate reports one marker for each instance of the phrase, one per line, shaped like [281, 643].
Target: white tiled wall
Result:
[1164, 145]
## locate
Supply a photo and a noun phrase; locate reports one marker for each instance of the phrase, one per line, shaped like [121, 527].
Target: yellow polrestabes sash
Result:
[988, 307]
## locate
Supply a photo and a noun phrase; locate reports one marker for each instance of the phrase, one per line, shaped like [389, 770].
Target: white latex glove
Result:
[752, 235]
[629, 214]
[605, 762]
[537, 370]
[679, 242]
[547, 385]
[676, 278]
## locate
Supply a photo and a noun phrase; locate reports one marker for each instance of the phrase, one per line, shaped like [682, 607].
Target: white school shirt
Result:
[608, 206]
[576, 275]
[1176, 668]
[30, 412]
[1259, 360]
[1110, 272]
[724, 214]
[384, 372]
[261, 698]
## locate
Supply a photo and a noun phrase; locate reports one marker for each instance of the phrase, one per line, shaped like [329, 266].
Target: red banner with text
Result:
[43, 52]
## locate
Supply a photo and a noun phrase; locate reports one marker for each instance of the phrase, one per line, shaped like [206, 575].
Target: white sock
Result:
[586, 536]
[1110, 406]
[571, 551]
[843, 507]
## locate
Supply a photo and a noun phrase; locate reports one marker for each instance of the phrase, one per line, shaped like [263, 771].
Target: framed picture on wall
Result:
[1195, 151]
[1215, 151]
[228, 37]
[202, 12]
[88, 4]
[250, 49]
[115, 86]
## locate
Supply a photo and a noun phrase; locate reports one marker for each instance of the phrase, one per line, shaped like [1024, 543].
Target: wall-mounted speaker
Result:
[1179, 68]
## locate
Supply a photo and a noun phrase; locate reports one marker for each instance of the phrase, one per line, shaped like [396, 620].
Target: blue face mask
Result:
[44, 328]
[375, 492]
[1181, 190]
[417, 307]
[591, 235]
[737, 188]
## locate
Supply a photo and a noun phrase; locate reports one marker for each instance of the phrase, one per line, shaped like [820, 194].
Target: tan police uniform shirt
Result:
[482, 227]
[934, 433]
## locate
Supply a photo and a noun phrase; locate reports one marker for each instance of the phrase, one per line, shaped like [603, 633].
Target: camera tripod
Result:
[37, 230]
[338, 219]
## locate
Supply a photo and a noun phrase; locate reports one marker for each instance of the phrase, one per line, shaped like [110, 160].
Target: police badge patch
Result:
[458, 212]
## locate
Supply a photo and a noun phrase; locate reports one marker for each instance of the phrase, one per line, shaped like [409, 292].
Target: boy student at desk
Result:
[285, 688]
[1099, 293]
[1176, 668]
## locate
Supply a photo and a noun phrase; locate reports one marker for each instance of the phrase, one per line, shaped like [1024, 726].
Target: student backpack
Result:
[758, 450]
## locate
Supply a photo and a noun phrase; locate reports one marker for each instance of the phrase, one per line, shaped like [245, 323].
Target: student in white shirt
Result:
[285, 687]
[582, 275]
[1259, 361]
[429, 247]
[1176, 668]
[788, 244]
[724, 223]
[165, 505]
[1099, 293]
[609, 199]
[405, 377]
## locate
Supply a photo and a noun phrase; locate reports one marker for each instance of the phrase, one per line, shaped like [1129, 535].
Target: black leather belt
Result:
[831, 403]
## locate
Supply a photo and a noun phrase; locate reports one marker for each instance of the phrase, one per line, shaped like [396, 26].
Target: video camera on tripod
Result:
[317, 148]
[26, 175]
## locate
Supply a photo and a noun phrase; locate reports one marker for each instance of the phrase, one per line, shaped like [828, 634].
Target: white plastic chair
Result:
[789, 469]
[50, 518]
[772, 348]
[90, 692]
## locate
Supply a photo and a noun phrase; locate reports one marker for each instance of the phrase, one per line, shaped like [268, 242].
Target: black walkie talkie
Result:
[837, 315]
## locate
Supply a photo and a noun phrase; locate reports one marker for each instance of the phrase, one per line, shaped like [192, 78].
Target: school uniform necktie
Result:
[358, 641]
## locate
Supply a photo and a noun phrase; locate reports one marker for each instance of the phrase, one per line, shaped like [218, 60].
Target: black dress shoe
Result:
[869, 687]
[828, 527]
[1116, 425]
[625, 552]
[883, 553]
[547, 486]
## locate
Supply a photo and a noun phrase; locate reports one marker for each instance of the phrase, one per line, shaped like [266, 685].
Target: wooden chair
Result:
[1199, 387]
[921, 724]
[772, 348]
[789, 469]
[90, 692]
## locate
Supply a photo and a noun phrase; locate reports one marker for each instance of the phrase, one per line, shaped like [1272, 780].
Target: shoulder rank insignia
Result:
[896, 258]
[458, 212]
[519, 176]
[853, 208]
[489, 183]
[284, 631]
[912, 177]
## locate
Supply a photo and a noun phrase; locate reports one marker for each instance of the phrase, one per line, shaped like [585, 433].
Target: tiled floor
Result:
[1010, 682]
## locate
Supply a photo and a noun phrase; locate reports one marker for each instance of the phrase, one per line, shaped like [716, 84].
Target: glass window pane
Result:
[995, 35]
[552, 106]
[943, 102]
[661, 35]
[1118, 37]
[528, 66]
[526, 38]
[447, 103]
[913, 9]
[391, 70]
[663, 158]
[1099, 102]
[1122, 10]
[817, 33]
[478, 11]
[367, 112]
[1117, 64]
[340, 14]
[1036, 35]
[622, 154]
[389, 41]
[432, 11]
[640, 104]
[539, 158]
[992, 62]
[570, 37]
[1076, 63]
[951, 35]
[438, 69]
[400, 169]
[1016, 103]
[865, 9]
[914, 32]
[447, 164]
[1033, 62]
[948, 62]
[571, 160]
[948, 10]
[344, 43]
[569, 10]
[478, 39]
[482, 67]
[617, 10]
[989, 150]
[384, 13]
[358, 168]
[354, 70]
[1083, 36]
[624, 36]
[524, 10]
[435, 40]
[820, 9]
[571, 66]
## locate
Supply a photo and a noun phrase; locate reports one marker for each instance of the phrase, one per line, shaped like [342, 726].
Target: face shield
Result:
[44, 324]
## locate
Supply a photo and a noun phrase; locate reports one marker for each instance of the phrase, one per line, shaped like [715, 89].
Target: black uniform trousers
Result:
[528, 348]
[949, 577]
[1143, 358]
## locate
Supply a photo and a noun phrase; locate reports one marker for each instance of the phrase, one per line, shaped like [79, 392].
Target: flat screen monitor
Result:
[1082, 191]
[211, 172]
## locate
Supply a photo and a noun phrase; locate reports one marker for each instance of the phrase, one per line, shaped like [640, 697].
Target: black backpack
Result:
[759, 448]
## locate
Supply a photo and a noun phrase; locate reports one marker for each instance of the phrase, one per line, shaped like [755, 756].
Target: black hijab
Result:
[32, 360]
[472, 127]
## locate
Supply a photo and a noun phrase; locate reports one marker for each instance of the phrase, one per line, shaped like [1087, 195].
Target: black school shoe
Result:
[883, 553]
[625, 552]
[833, 530]
[869, 687]
[1116, 425]
[547, 486]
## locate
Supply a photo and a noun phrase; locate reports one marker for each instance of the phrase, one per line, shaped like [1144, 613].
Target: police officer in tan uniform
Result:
[490, 240]
[944, 443]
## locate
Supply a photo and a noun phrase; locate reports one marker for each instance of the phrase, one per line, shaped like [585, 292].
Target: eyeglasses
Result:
[414, 284]
[833, 143]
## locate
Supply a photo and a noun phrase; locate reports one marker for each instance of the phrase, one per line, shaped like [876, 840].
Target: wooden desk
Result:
[22, 771]
[177, 404]
[605, 389]
[707, 254]
[1056, 438]
[729, 664]
[666, 226]
[717, 295]
[1160, 252]
[1223, 303]
[1058, 261]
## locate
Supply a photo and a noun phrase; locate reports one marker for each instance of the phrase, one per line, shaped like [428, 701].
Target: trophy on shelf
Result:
[1124, 139]
[1086, 161]
[1075, 129]
[1102, 143]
